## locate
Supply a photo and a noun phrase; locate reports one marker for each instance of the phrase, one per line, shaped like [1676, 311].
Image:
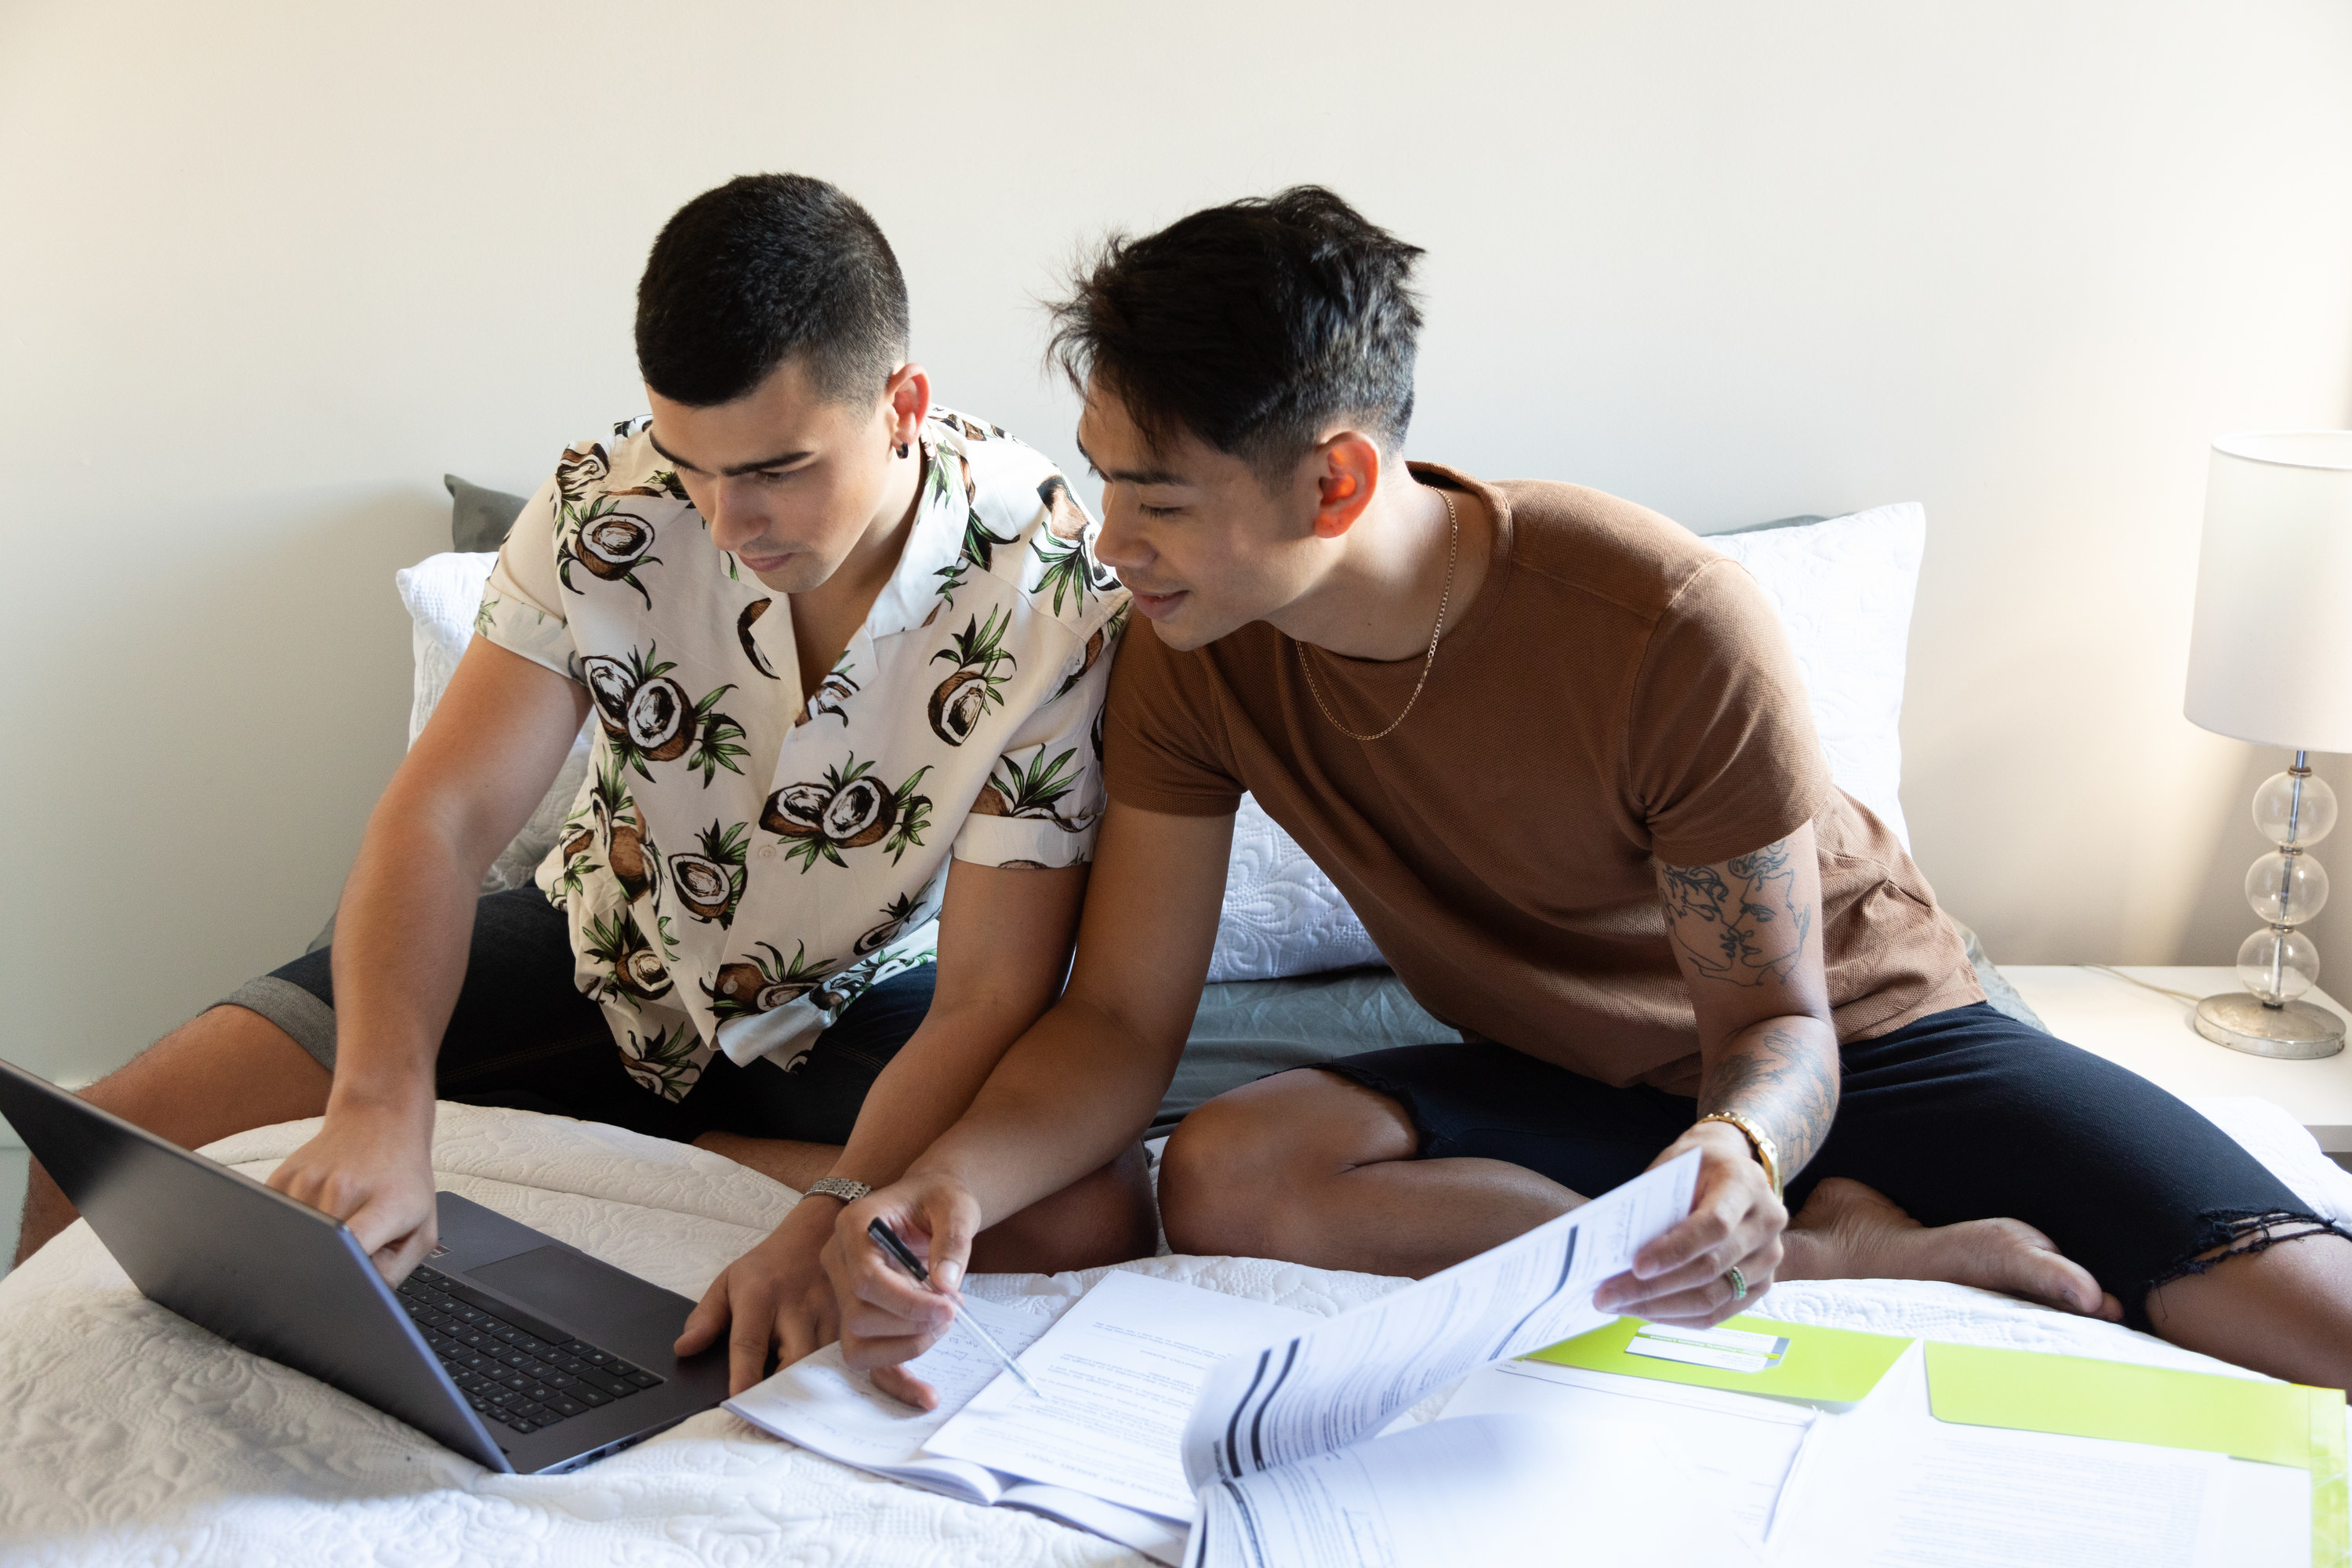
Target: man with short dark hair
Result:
[844, 657]
[1556, 751]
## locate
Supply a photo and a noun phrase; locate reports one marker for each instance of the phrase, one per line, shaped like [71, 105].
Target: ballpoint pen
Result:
[887, 1239]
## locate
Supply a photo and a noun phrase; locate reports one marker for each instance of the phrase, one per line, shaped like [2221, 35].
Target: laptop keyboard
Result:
[515, 1370]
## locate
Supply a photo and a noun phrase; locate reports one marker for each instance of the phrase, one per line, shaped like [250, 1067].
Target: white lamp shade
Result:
[2270, 656]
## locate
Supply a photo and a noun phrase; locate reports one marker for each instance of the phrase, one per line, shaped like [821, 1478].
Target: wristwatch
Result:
[840, 1187]
[1767, 1153]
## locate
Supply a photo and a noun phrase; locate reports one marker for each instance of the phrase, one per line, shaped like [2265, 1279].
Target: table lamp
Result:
[2270, 661]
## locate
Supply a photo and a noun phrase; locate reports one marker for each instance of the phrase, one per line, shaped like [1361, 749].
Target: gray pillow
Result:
[479, 518]
[1800, 520]
[1245, 1030]
[1996, 988]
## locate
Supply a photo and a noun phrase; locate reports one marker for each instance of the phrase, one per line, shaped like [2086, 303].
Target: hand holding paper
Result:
[1734, 1221]
[1347, 1377]
[1158, 1389]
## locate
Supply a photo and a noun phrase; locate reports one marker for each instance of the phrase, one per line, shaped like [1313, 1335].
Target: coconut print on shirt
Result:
[740, 868]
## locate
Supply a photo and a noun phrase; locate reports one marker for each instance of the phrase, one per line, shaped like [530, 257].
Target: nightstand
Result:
[2153, 1035]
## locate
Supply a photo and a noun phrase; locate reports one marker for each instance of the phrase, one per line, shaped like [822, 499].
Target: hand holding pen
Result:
[897, 1250]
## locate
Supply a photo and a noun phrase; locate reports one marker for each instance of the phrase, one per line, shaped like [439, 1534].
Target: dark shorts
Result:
[523, 1035]
[1966, 1114]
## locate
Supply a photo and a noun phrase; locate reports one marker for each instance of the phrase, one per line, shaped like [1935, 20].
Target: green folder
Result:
[2273, 1422]
[2331, 1498]
[1833, 1367]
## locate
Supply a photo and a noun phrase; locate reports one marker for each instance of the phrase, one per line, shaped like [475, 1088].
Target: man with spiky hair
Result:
[1556, 751]
[811, 619]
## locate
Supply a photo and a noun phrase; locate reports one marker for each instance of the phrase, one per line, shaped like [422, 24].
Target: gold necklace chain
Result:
[1453, 548]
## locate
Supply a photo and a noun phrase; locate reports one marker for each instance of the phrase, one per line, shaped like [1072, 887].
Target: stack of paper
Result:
[1210, 1430]
[1971, 1457]
[1163, 1402]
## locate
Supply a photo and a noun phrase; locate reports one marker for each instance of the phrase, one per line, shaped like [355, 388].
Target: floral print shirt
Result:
[739, 867]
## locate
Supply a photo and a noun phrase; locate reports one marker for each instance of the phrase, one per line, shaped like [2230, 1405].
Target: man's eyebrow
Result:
[781, 460]
[1131, 476]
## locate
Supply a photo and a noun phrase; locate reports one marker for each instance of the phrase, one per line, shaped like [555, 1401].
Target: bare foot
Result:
[1848, 1231]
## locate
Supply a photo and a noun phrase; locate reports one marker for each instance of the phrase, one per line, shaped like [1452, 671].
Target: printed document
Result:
[1153, 1391]
[1119, 1371]
[821, 1405]
[1889, 1486]
[1741, 1449]
[1477, 1492]
[1348, 1376]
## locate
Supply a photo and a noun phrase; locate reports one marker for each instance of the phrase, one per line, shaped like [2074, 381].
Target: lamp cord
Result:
[2143, 984]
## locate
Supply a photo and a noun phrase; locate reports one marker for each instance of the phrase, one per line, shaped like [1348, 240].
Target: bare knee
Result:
[224, 1071]
[1099, 1219]
[1240, 1172]
[2282, 1307]
[1217, 1158]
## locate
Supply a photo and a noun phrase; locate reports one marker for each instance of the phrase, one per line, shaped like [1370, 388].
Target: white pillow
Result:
[1843, 587]
[443, 594]
[1282, 914]
[2275, 1138]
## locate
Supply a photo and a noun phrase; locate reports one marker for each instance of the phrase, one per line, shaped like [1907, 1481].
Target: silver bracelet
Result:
[840, 1187]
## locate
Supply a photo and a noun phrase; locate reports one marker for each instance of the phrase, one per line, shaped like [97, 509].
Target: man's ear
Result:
[1347, 471]
[907, 401]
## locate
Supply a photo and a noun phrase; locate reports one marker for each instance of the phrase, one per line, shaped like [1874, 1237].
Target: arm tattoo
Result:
[1738, 921]
[1783, 1079]
[1741, 922]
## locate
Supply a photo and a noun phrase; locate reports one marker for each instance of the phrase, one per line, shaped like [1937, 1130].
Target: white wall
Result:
[266, 272]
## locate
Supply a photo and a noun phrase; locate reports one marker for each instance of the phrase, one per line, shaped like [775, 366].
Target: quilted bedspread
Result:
[129, 1436]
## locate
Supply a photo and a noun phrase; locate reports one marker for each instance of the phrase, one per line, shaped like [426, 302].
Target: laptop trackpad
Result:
[577, 1289]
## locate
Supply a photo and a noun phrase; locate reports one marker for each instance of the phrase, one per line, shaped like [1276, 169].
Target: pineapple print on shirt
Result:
[961, 701]
[848, 811]
[709, 878]
[1033, 792]
[648, 717]
[740, 866]
[609, 542]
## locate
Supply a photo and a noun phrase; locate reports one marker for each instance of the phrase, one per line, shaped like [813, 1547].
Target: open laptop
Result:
[522, 1353]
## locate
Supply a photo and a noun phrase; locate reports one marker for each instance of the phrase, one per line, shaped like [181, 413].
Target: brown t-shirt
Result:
[1619, 694]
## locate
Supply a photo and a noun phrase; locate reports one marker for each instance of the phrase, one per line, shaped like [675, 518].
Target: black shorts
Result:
[1965, 1114]
[523, 1035]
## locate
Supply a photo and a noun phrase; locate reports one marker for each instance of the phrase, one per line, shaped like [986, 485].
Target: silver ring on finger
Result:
[1738, 1281]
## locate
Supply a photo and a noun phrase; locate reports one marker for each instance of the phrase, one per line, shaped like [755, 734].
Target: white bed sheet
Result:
[129, 1436]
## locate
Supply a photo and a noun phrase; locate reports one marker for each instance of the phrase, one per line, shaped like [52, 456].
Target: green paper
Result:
[1979, 1386]
[2272, 1423]
[2331, 1509]
[1822, 1366]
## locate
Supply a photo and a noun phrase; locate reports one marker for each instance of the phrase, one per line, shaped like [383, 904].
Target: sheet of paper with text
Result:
[1120, 1371]
[819, 1404]
[1348, 1376]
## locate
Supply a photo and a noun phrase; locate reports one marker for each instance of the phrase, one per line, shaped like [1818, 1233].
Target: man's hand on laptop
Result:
[374, 1171]
[773, 1298]
[885, 1317]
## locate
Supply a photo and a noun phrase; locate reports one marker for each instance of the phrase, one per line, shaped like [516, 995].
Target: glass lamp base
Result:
[2296, 1031]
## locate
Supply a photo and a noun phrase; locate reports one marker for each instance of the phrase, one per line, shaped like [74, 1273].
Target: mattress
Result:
[134, 1436]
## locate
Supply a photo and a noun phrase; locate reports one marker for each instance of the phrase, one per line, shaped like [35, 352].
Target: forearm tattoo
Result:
[1739, 921]
[1785, 1079]
[1742, 923]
